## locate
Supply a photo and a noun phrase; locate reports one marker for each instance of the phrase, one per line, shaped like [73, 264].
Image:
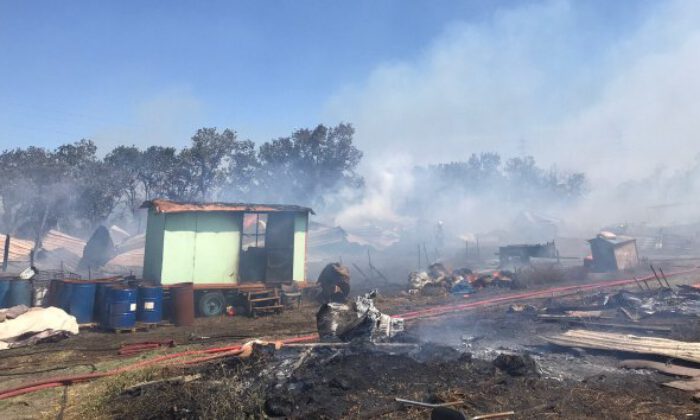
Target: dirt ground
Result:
[449, 358]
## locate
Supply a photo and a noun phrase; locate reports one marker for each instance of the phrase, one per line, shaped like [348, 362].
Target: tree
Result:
[158, 172]
[242, 172]
[125, 164]
[206, 162]
[310, 163]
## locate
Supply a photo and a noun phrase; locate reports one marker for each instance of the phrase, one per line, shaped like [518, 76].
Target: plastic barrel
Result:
[120, 308]
[54, 291]
[182, 295]
[20, 293]
[64, 291]
[4, 292]
[101, 288]
[150, 304]
[81, 300]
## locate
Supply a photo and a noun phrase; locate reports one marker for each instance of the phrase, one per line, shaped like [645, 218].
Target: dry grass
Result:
[225, 391]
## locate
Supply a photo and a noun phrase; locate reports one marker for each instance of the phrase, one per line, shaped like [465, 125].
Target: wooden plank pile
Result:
[628, 343]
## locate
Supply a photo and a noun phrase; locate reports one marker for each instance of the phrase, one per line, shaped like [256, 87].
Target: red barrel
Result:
[182, 299]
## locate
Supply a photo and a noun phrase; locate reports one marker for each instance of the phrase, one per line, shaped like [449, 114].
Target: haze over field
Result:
[608, 89]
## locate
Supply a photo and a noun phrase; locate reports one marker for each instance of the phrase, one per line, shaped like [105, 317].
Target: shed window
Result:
[254, 226]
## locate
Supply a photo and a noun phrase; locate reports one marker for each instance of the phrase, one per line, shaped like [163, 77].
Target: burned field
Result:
[490, 359]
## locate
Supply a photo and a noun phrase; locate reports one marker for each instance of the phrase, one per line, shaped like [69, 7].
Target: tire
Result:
[211, 304]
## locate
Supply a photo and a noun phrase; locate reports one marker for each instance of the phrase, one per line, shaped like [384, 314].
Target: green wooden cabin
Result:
[225, 244]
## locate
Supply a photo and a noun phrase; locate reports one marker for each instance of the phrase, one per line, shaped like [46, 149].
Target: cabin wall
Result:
[217, 247]
[201, 248]
[153, 253]
[205, 248]
[178, 249]
[301, 223]
[626, 256]
[603, 256]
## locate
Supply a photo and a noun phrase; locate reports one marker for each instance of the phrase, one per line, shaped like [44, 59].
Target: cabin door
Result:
[279, 242]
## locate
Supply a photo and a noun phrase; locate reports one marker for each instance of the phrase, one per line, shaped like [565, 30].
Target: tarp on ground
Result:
[36, 321]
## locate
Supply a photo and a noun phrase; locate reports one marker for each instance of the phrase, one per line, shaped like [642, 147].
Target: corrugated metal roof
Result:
[53, 241]
[618, 240]
[167, 206]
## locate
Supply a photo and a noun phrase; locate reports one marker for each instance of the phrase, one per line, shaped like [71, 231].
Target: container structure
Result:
[224, 244]
[20, 293]
[80, 300]
[119, 308]
[150, 304]
[613, 253]
[182, 298]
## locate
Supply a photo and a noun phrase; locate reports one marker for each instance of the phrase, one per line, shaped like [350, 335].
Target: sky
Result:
[149, 72]
[152, 72]
[605, 87]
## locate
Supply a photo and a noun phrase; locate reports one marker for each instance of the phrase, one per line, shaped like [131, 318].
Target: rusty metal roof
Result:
[167, 206]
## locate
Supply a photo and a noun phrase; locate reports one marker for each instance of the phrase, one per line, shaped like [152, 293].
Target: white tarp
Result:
[36, 321]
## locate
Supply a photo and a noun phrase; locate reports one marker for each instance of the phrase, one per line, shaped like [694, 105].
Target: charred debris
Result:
[492, 338]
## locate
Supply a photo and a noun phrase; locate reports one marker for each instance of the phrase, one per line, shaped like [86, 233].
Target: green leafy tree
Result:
[309, 164]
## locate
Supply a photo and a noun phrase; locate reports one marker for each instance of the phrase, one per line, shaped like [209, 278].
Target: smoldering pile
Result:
[439, 279]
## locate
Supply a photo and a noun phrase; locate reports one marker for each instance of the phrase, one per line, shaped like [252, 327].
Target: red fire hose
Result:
[443, 309]
[235, 349]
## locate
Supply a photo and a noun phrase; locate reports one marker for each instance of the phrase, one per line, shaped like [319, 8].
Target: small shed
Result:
[225, 244]
[613, 253]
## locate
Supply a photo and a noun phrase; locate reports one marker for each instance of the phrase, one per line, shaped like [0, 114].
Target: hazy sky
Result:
[151, 72]
[154, 71]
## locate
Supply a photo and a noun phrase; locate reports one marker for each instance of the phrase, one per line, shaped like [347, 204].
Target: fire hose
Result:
[205, 355]
[445, 309]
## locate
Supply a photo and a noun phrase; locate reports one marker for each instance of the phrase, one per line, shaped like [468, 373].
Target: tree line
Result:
[75, 189]
[517, 181]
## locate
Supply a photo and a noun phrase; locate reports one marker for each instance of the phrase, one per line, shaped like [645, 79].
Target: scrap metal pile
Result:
[357, 320]
[440, 280]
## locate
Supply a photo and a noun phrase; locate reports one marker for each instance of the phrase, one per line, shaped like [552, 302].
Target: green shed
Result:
[220, 245]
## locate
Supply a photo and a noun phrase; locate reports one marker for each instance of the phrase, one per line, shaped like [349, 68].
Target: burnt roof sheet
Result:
[168, 206]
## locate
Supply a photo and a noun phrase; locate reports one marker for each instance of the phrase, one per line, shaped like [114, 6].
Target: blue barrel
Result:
[4, 289]
[150, 304]
[20, 293]
[81, 300]
[120, 308]
[64, 291]
[101, 298]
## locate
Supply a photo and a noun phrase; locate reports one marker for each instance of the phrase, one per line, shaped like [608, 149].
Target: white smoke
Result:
[538, 79]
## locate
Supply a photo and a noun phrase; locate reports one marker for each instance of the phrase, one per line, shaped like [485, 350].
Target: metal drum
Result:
[119, 308]
[4, 291]
[64, 290]
[182, 295]
[20, 293]
[150, 304]
[80, 300]
[101, 288]
[54, 292]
